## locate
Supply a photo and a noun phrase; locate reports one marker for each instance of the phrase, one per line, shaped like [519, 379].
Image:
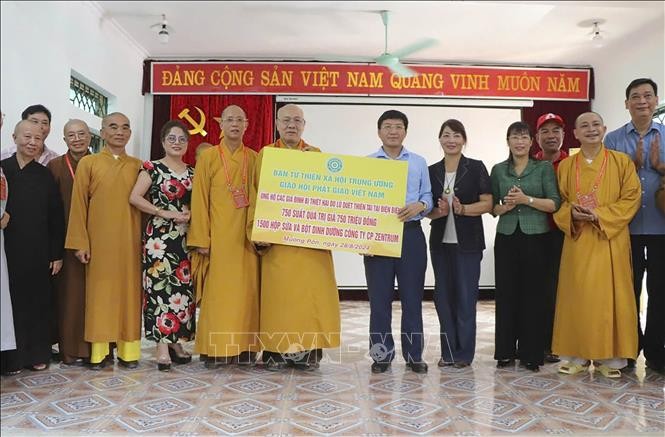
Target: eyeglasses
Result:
[230, 120]
[288, 120]
[637, 97]
[171, 139]
[399, 127]
[77, 135]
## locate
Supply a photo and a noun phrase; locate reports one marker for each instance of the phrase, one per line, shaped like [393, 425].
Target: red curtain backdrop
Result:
[567, 110]
[259, 110]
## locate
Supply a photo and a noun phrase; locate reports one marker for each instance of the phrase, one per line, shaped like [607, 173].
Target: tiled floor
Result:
[341, 398]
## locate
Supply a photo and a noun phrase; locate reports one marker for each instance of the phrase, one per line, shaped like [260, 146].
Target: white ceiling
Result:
[510, 32]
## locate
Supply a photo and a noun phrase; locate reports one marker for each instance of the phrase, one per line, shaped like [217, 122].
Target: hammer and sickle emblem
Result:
[197, 127]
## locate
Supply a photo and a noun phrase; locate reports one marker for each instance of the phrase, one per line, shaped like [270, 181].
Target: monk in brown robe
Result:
[70, 283]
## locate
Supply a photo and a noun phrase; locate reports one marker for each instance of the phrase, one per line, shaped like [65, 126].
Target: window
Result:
[96, 143]
[659, 115]
[87, 98]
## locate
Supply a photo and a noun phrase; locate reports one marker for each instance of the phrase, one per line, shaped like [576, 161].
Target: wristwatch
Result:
[424, 205]
[530, 200]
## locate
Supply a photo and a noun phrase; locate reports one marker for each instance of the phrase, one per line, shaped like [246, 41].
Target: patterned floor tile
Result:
[638, 401]
[489, 406]
[595, 422]
[59, 422]
[326, 387]
[230, 426]
[568, 404]
[325, 427]
[83, 404]
[43, 380]
[253, 386]
[339, 398]
[432, 424]
[182, 385]
[115, 382]
[537, 383]
[15, 400]
[244, 408]
[162, 406]
[142, 424]
[326, 409]
[470, 385]
[396, 386]
[408, 408]
[512, 424]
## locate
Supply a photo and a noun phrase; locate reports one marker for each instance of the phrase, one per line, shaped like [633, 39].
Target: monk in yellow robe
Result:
[227, 330]
[595, 309]
[299, 298]
[105, 231]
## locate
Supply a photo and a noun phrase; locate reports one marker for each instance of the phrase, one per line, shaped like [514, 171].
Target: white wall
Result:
[642, 54]
[42, 42]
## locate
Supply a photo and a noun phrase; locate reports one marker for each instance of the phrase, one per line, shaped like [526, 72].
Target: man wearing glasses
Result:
[380, 271]
[228, 325]
[105, 233]
[298, 318]
[70, 283]
[642, 139]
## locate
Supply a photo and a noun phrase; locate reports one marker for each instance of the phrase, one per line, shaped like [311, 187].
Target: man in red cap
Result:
[549, 134]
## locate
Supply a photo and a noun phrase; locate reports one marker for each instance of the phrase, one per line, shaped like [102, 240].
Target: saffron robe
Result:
[69, 284]
[102, 221]
[229, 315]
[299, 297]
[33, 239]
[595, 308]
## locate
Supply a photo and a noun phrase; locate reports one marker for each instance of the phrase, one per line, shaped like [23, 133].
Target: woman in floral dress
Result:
[169, 307]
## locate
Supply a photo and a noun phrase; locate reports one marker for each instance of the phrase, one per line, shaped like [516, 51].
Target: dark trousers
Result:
[380, 272]
[553, 246]
[520, 297]
[648, 253]
[456, 276]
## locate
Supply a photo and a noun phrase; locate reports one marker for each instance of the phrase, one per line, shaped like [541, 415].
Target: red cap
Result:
[549, 117]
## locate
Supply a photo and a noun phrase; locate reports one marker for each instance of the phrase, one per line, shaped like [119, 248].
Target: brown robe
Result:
[69, 284]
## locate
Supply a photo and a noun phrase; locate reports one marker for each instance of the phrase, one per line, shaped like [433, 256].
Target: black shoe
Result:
[417, 367]
[378, 367]
[128, 364]
[532, 366]
[98, 366]
[211, 363]
[163, 367]
[443, 363]
[78, 362]
[500, 364]
[461, 364]
[179, 359]
[552, 358]
[55, 356]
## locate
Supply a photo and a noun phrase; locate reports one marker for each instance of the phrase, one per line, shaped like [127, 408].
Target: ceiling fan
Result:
[163, 30]
[393, 60]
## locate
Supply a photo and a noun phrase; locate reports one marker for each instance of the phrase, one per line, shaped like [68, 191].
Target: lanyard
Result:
[598, 178]
[280, 145]
[69, 164]
[226, 171]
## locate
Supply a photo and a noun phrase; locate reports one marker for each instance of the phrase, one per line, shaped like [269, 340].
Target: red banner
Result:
[370, 80]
